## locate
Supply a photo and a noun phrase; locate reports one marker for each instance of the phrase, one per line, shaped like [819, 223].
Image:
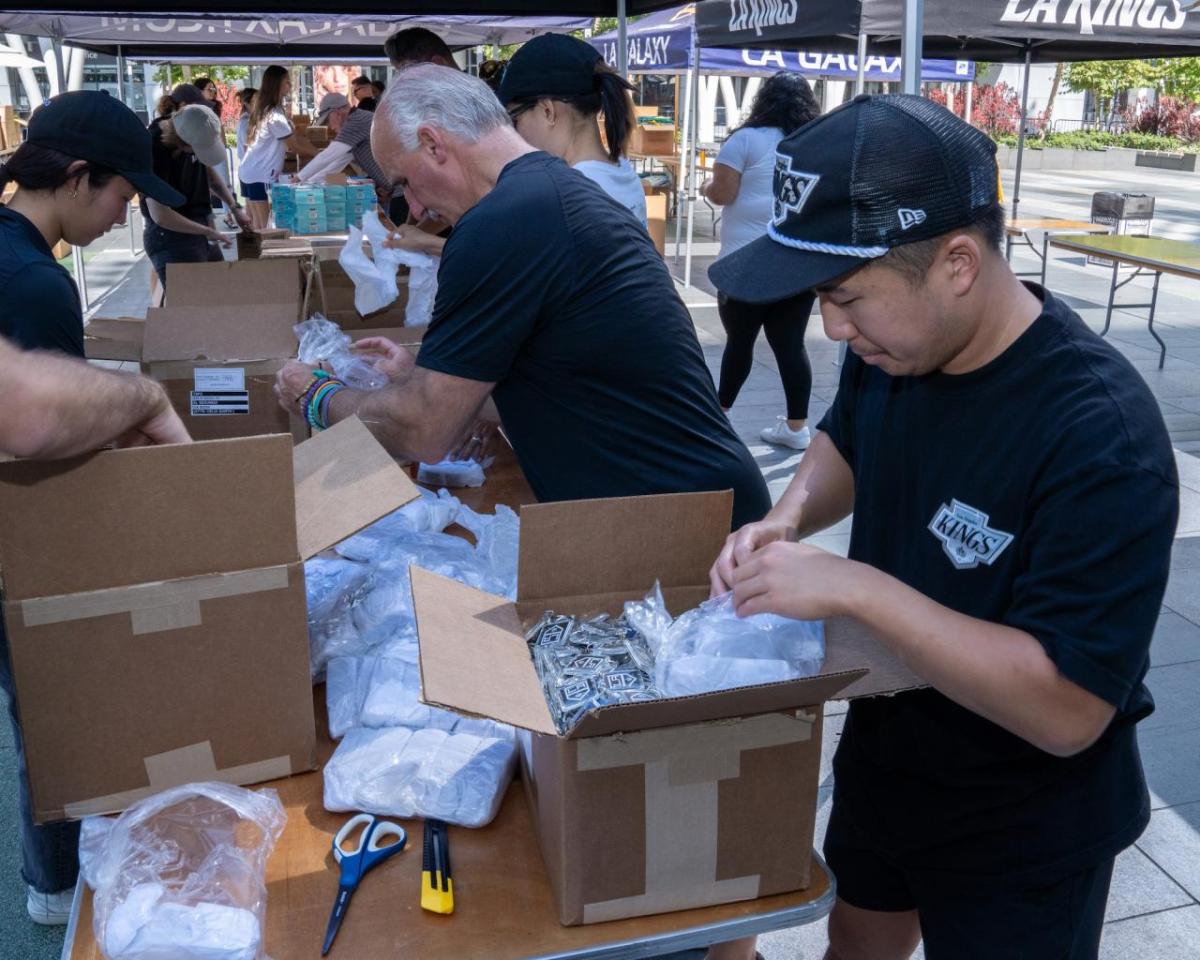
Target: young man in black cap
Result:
[1014, 496]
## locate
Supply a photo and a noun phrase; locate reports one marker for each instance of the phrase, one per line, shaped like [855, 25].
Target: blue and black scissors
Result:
[380, 839]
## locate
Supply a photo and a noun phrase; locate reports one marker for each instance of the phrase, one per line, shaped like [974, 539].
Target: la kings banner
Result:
[1002, 30]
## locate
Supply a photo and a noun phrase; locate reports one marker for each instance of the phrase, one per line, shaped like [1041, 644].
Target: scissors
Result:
[379, 840]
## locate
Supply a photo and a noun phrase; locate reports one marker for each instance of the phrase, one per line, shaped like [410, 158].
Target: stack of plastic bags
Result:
[398, 756]
[374, 276]
[182, 874]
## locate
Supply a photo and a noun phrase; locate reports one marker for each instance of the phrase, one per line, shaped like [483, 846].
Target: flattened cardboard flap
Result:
[620, 545]
[220, 334]
[474, 658]
[146, 514]
[114, 338]
[344, 481]
[241, 283]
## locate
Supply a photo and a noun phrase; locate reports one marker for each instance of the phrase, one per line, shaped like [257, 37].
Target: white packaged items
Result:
[374, 276]
[181, 875]
[456, 777]
[711, 648]
[451, 473]
[384, 691]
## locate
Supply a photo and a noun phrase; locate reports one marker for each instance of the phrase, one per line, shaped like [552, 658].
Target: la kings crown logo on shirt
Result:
[966, 536]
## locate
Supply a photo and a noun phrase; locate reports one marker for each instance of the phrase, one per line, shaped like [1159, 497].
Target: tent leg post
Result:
[1021, 131]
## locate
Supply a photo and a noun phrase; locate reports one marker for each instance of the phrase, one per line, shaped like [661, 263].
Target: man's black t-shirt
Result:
[1039, 492]
[39, 305]
[551, 289]
[182, 171]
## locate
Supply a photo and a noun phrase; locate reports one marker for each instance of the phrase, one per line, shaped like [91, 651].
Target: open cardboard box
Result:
[645, 807]
[216, 346]
[114, 338]
[334, 296]
[156, 611]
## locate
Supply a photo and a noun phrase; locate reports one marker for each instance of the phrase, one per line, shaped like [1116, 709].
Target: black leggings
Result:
[785, 323]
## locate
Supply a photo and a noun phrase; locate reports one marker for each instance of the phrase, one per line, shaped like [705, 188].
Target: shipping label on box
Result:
[219, 391]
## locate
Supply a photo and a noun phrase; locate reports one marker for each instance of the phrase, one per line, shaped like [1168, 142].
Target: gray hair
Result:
[441, 97]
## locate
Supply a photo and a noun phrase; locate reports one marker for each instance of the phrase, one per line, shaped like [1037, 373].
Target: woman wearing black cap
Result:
[553, 88]
[86, 156]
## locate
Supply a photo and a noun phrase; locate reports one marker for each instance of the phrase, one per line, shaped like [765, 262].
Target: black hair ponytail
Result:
[616, 104]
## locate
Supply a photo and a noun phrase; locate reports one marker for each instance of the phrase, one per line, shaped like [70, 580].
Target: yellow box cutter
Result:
[437, 887]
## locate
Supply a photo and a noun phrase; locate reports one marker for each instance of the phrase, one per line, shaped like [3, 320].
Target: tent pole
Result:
[970, 95]
[692, 142]
[910, 46]
[121, 75]
[59, 69]
[1016, 199]
[860, 82]
[680, 180]
[622, 40]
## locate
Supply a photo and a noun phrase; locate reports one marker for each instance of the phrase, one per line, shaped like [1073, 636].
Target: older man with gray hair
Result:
[553, 301]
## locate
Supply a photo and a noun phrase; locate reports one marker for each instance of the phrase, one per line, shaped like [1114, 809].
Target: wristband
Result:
[319, 377]
[322, 417]
[313, 409]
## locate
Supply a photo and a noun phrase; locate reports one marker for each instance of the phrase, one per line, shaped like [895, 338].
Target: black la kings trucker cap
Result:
[876, 173]
[91, 125]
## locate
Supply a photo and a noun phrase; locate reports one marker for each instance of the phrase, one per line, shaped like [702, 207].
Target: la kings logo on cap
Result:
[792, 188]
[966, 537]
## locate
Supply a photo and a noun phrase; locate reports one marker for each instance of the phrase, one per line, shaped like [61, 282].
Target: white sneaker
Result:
[49, 909]
[784, 436]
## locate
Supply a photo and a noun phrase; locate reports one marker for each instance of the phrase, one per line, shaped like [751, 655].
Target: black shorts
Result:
[1061, 920]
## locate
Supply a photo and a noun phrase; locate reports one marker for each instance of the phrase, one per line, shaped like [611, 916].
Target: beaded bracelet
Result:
[323, 406]
[319, 377]
[320, 396]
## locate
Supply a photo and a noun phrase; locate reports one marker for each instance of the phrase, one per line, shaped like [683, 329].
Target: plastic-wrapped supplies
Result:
[432, 513]
[711, 648]
[451, 473]
[374, 276]
[334, 587]
[322, 340]
[182, 874]
[457, 777]
[384, 691]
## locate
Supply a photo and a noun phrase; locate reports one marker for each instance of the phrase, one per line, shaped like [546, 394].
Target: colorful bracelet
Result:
[319, 377]
[314, 409]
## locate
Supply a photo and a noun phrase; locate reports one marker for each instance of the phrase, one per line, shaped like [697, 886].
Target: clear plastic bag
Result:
[182, 874]
[451, 473]
[322, 341]
[711, 648]
[432, 513]
[457, 777]
[374, 277]
[422, 273]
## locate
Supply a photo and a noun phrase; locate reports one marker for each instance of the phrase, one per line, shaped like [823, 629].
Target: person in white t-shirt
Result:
[269, 135]
[553, 88]
[245, 98]
[742, 182]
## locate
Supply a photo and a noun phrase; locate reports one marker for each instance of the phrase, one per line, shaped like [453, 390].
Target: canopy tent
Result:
[258, 38]
[662, 43]
[1015, 31]
[222, 9]
[1050, 31]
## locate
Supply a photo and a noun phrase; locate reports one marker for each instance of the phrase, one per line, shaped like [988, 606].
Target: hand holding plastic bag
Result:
[322, 341]
[711, 648]
[182, 874]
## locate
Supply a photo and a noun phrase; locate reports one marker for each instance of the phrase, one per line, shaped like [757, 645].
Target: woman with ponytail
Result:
[554, 88]
[269, 135]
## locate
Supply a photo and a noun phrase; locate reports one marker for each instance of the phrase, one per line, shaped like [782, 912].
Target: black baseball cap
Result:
[91, 125]
[878, 172]
[553, 64]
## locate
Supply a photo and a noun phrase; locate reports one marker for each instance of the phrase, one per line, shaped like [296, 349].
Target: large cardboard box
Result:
[333, 294]
[114, 338]
[216, 346]
[155, 606]
[656, 219]
[647, 807]
[653, 140]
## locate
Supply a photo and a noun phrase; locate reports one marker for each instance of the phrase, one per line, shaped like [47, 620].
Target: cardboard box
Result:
[216, 346]
[647, 807]
[333, 295]
[156, 613]
[656, 219]
[653, 140]
[250, 243]
[114, 338]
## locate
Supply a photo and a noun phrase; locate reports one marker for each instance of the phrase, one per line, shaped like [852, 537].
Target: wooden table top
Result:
[1178, 257]
[505, 908]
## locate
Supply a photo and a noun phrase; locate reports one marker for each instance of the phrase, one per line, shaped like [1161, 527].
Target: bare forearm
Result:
[170, 219]
[998, 672]
[58, 407]
[399, 418]
[821, 492]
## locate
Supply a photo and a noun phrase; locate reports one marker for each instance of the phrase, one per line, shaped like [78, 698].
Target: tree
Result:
[1048, 113]
[1109, 78]
[220, 73]
[1181, 78]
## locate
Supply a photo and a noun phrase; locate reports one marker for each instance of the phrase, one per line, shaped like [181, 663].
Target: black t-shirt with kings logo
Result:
[1039, 492]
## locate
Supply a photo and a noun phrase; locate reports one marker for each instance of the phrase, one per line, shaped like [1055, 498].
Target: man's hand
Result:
[291, 382]
[476, 445]
[411, 237]
[219, 237]
[391, 359]
[163, 426]
[740, 545]
[794, 580]
[242, 218]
